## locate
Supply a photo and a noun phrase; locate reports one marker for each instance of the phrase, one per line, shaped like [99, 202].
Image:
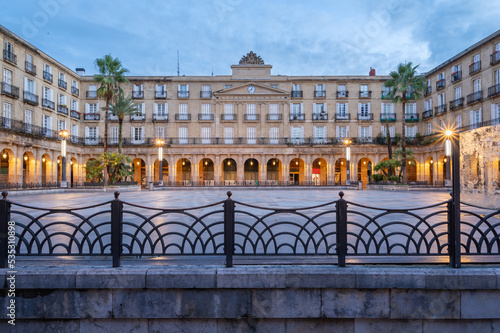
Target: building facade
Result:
[249, 127]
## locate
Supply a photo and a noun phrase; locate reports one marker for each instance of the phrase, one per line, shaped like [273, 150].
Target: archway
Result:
[28, 168]
[46, 169]
[319, 172]
[251, 171]
[229, 169]
[73, 171]
[429, 170]
[296, 171]
[207, 172]
[139, 171]
[183, 174]
[59, 169]
[340, 171]
[274, 171]
[443, 164]
[164, 168]
[7, 166]
[364, 170]
[411, 170]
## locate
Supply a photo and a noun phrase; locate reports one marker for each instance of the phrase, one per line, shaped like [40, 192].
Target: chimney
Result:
[372, 71]
[80, 71]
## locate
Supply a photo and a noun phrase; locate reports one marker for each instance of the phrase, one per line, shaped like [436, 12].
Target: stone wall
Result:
[255, 298]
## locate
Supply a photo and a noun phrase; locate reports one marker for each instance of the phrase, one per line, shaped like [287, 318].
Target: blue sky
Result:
[297, 37]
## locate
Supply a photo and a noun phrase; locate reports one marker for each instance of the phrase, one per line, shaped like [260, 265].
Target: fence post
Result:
[454, 206]
[229, 229]
[4, 220]
[341, 212]
[116, 229]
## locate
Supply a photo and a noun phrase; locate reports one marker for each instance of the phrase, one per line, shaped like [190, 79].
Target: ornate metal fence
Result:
[336, 230]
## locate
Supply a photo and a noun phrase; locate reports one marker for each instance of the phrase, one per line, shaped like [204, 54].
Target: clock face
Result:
[251, 89]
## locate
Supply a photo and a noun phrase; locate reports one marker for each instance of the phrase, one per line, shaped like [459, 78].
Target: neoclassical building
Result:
[250, 126]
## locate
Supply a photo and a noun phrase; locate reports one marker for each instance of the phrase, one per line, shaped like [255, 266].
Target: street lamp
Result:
[347, 144]
[159, 144]
[63, 134]
[447, 153]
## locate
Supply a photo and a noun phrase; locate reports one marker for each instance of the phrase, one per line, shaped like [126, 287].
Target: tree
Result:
[117, 165]
[405, 85]
[111, 74]
[122, 107]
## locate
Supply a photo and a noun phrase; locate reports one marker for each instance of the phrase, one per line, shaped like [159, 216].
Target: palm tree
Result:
[406, 85]
[122, 107]
[111, 74]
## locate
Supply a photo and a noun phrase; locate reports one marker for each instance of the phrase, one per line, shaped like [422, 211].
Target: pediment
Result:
[260, 89]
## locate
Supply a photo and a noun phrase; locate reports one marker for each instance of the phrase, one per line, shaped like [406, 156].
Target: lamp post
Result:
[447, 153]
[63, 134]
[159, 144]
[454, 206]
[347, 143]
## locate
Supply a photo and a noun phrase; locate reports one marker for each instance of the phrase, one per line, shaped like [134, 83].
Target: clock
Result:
[251, 89]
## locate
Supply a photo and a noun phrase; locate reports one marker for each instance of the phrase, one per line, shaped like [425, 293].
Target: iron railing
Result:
[91, 116]
[205, 94]
[30, 68]
[456, 104]
[440, 84]
[160, 117]
[206, 117]
[75, 114]
[62, 84]
[137, 94]
[365, 116]
[160, 94]
[495, 58]
[475, 97]
[48, 103]
[340, 230]
[75, 91]
[228, 117]
[342, 116]
[475, 67]
[342, 94]
[297, 117]
[387, 117]
[47, 76]
[320, 93]
[30, 98]
[91, 94]
[297, 93]
[494, 90]
[62, 109]
[274, 117]
[456, 76]
[365, 94]
[9, 90]
[9, 56]
[183, 94]
[427, 114]
[319, 116]
[251, 117]
[428, 91]
[182, 117]
[411, 117]
[440, 109]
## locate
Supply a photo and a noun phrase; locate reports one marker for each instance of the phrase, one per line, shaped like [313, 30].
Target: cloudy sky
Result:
[314, 37]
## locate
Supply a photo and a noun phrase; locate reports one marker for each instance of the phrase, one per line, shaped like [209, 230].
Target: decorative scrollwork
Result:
[251, 59]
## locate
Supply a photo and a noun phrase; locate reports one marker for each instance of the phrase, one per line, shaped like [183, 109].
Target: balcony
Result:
[319, 94]
[91, 116]
[251, 117]
[323, 116]
[495, 58]
[365, 94]
[182, 117]
[138, 94]
[457, 104]
[183, 94]
[160, 94]
[205, 94]
[297, 117]
[342, 94]
[387, 117]
[342, 116]
[365, 116]
[228, 117]
[440, 84]
[137, 117]
[30, 98]
[160, 117]
[206, 117]
[112, 117]
[475, 67]
[427, 114]
[48, 104]
[411, 117]
[274, 117]
[440, 109]
[10, 57]
[30, 68]
[75, 91]
[428, 91]
[48, 76]
[62, 109]
[494, 91]
[9, 90]
[62, 84]
[384, 94]
[75, 114]
[297, 94]
[475, 97]
[91, 94]
[457, 76]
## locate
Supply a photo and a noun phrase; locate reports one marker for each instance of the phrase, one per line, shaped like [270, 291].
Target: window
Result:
[477, 57]
[160, 111]
[455, 69]
[228, 135]
[365, 132]
[441, 100]
[228, 112]
[428, 105]
[62, 100]
[342, 132]
[227, 86]
[206, 113]
[7, 114]
[388, 108]
[9, 56]
[113, 135]
[183, 112]
[495, 114]
[61, 125]
[29, 86]
[297, 134]
[296, 87]
[206, 91]
[296, 109]
[62, 77]
[497, 76]
[137, 134]
[28, 114]
[251, 112]
[441, 76]
[183, 90]
[342, 110]
[429, 129]
[274, 112]
[91, 135]
[47, 125]
[392, 131]
[320, 91]
[363, 90]
[47, 72]
[74, 133]
[160, 132]
[410, 108]
[477, 85]
[183, 135]
[411, 131]
[458, 93]
[341, 91]
[458, 121]
[29, 63]
[7, 79]
[319, 134]
[92, 108]
[74, 105]
[161, 91]
[205, 135]
[475, 118]
[47, 93]
[274, 135]
[251, 135]
[364, 110]
[387, 90]
[74, 84]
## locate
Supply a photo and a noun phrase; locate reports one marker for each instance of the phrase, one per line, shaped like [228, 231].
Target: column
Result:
[240, 169]
[331, 169]
[308, 169]
[38, 166]
[217, 170]
[53, 167]
[195, 170]
[263, 169]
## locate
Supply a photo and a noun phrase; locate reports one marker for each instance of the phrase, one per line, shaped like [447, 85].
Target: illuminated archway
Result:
[274, 171]
[229, 170]
[296, 171]
[319, 172]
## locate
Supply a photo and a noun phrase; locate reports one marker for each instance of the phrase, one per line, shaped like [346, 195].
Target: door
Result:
[7, 79]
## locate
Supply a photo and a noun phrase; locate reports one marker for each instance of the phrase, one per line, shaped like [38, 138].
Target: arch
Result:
[340, 171]
[207, 172]
[443, 164]
[229, 171]
[29, 163]
[139, 171]
[59, 168]
[411, 170]
[183, 171]
[164, 168]
[7, 166]
[251, 171]
[73, 171]
[364, 170]
[46, 168]
[429, 170]
[274, 171]
[297, 175]
[319, 171]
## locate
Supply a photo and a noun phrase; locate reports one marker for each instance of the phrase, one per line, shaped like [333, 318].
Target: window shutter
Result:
[324, 107]
[338, 107]
[369, 108]
[132, 131]
[480, 115]
[359, 131]
[166, 108]
[370, 132]
[26, 83]
[359, 108]
[155, 108]
[142, 133]
[415, 130]
[178, 87]
[97, 108]
[302, 133]
[493, 113]
[347, 132]
[471, 117]
[324, 133]
[314, 108]
[301, 108]
[382, 130]
[382, 108]
[337, 133]
[87, 107]
[346, 108]
[143, 109]
[187, 87]
[86, 133]
[97, 133]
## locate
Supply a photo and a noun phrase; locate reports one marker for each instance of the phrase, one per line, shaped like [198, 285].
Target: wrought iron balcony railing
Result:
[365, 116]
[228, 117]
[495, 58]
[160, 94]
[297, 117]
[342, 116]
[365, 94]
[182, 117]
[10, 57]
[427, 114]
[137, 117]
[319, 93]
[494, 90]
[440, 109]
[137, 94]
[251, 117]
[205, 94]
[91, 94]
[206, 117]
[475, 67]
[457, 76]
[475, 97]
[274, 117]
[411, 117]
[62, 84]
[75, 114]
[456, 104]
[48, 76]
[91, 116]
[30, 98]
[62, 109]
[48, 103]
[183, 94]
[297, 94]
[342, 94]
[75, 91]
[440, 84]
[160, 117]
[428, 91]
[387, 117]
[323, 116]
[30, 68]
[9, 90]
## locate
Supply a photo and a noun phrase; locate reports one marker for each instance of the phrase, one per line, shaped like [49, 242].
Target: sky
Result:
[313, 37]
